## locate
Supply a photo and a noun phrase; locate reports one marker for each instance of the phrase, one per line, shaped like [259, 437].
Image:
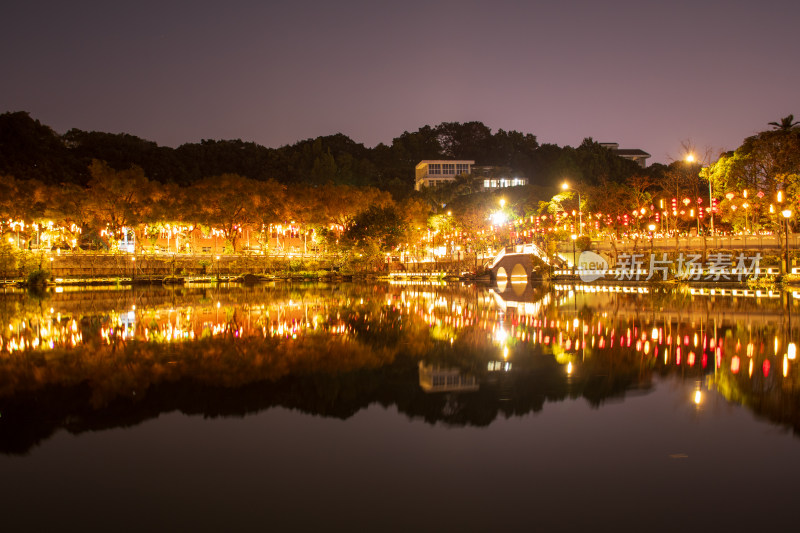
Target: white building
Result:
[435, 173]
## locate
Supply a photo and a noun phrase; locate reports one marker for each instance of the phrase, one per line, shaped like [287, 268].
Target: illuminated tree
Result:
[119, 198]
[226, 202]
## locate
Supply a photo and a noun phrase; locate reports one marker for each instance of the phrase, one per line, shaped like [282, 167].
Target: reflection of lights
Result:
[569, 368]
[792, 351]
[505, 352]
[500, 335]
[698, 397]
[735, 364]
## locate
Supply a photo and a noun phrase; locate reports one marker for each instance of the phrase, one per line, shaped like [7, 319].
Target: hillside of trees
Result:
[32, 150]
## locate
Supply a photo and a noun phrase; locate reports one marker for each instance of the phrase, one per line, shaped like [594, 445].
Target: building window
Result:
[434, 168]
[449, 168]
[462, 168]
[487, 184]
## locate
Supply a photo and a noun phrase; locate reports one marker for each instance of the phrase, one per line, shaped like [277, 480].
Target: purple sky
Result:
[642, 73]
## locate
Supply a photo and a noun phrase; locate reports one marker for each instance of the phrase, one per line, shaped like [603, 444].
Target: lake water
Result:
[398, 407]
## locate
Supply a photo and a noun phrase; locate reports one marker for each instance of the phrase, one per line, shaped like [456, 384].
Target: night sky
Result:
[642, 73]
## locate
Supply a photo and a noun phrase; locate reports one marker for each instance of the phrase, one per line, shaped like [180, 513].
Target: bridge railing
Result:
[526, 248]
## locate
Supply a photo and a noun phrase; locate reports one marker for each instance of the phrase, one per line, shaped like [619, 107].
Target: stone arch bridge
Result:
[519, 262]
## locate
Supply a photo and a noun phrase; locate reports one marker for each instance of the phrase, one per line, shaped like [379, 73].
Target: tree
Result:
[766, 162]
[225, 202]
[119, 198]
[786, 123]
[31, 150]
[374, 232]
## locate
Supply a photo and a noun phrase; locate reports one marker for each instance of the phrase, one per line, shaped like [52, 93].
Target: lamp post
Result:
[787, 213]
[711, 205]
[652, 228]
[565, 186]
[574, 238]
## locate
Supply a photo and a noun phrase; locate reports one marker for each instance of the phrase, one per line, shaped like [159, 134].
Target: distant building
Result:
[634, 154]
[497, 177]
[436, 173]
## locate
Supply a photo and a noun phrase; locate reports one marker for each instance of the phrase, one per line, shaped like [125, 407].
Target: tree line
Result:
[32, 150]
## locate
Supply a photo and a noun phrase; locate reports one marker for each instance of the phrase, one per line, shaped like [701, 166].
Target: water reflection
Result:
[450, 354]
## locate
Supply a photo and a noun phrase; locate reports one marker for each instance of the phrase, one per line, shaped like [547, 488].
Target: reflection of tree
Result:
[366, 351]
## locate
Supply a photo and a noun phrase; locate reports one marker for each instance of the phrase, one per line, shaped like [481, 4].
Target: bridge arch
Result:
[519, 272]
[500, 274]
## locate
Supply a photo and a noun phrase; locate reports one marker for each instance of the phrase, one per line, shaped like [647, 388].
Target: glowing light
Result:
[698, 397]
[792, 351]
[498, 218]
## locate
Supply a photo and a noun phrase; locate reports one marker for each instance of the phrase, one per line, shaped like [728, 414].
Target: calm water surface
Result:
[398, 407]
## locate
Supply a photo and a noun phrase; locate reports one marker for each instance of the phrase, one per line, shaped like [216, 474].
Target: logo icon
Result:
[591, 266]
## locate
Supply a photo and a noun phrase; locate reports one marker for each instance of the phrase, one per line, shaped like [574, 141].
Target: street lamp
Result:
[652, 228]
[787, 213]
[565, 186]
